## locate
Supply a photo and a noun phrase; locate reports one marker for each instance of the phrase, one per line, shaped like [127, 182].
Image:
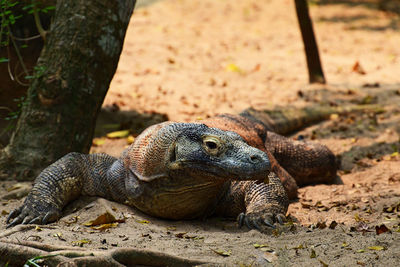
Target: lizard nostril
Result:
[255, 159]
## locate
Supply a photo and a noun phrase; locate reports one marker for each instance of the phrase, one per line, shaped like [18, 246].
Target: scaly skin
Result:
[226, 165]
[294, 162]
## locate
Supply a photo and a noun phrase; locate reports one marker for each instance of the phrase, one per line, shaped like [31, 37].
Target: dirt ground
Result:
[194, 59]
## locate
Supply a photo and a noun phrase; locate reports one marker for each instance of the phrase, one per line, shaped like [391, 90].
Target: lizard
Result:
[229, 165]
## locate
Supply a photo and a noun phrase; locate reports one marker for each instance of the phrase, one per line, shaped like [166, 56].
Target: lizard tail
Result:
[288, 120]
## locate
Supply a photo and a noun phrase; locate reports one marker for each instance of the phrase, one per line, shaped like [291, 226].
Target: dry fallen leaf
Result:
[256, 245]
[80, 243]
[377, 248]
[324, 264]
[357, 68]
[334, 116]
[143, 221]
[14, 187]
[222, 252]
[103, 219]
[313, 254]
[233, 68]
[98, 141]
[130, 139]
[333, 225]
[118, 134]
[4, 212]
[180, 235]
[59, 236]
[105, 226]
[381, 229]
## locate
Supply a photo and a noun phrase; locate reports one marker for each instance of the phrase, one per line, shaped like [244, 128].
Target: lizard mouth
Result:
[221, 171]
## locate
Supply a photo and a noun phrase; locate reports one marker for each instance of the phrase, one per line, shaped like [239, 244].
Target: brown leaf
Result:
[381, 229]
[180, 235]
[4, 212]
[257, 67]
[103, 219]
[333, 225]
[321, 225]
[357, 68]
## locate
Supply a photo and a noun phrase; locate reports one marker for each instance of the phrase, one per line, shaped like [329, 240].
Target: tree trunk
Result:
[315, 73]
[72, 77]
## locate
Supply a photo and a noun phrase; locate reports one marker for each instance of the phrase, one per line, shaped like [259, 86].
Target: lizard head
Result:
[213, 152]
[194, 150]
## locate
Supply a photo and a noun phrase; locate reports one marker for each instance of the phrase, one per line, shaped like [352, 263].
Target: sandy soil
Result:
[194, 59]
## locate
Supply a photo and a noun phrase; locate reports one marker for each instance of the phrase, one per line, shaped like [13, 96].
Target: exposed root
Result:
[16, 254]
[18, 228]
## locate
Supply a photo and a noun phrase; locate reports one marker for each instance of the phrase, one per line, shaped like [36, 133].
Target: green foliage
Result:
[9, 18]
[15, 114]
[31, 8]
[38, 72]
[36, 260]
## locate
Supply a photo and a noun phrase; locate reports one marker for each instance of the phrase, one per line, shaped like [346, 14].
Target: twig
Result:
[8, 62]
[27, 38]
[18, 52]
[39, 26]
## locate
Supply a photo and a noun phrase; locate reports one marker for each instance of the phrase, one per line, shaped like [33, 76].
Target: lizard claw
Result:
[281, 218]
[254, 220]
[269, 222]
[13, 214]
[251, 224]
[33, 212]
[241, 219]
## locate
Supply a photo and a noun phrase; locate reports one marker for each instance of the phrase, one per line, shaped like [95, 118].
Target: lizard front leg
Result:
[256, 203]
[66, 179]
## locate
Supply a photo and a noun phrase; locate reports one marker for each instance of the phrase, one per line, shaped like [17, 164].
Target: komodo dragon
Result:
[230, 165]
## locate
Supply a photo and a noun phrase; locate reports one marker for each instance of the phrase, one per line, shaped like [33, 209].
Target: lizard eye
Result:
[211, 145]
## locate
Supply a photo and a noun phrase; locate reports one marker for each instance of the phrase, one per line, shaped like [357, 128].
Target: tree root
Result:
[22, 228]
[17, 253]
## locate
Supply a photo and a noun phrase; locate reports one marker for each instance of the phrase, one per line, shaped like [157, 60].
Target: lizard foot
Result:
[33, 212]
[255, 220]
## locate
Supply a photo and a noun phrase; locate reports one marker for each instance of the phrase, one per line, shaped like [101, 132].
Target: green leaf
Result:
[3, 59]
